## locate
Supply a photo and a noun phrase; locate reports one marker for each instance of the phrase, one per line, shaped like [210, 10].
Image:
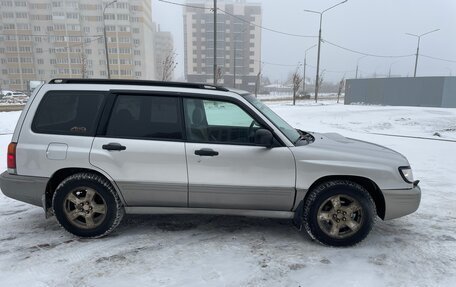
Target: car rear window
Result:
[69, 113]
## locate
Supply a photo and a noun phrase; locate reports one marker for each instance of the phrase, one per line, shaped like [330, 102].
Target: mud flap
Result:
[297, 219]
[46, 206]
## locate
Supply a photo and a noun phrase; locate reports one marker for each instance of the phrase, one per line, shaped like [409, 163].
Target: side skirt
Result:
[217, 211]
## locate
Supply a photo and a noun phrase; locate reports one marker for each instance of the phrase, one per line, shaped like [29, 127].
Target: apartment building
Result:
[44, 39]
[238, 42]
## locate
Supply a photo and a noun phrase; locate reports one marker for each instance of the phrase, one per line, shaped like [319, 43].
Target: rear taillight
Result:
[11, 158]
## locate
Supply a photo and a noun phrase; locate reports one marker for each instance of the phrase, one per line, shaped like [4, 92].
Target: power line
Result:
[440, 59]
[267, 29]
[366, 54]
[186, 5]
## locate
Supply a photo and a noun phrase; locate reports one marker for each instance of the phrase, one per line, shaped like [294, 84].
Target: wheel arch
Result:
[58, 176]
[368, 184]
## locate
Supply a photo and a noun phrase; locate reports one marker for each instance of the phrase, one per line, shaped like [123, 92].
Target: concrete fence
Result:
[420, 91]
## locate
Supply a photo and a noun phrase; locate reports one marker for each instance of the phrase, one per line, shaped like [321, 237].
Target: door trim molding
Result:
[215, 211]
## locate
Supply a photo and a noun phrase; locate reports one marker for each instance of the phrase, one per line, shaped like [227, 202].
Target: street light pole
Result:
[317, 77]
[418, 47]
[304, 73]
[106, 39]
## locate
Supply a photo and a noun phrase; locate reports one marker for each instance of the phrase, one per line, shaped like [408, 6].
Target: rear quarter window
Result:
[69, 113]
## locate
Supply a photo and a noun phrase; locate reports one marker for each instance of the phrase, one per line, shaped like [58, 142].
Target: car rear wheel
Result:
[339, 213]
[87, 205]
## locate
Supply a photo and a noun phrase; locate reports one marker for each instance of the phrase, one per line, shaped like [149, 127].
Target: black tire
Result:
[328, 222]
[93, 202]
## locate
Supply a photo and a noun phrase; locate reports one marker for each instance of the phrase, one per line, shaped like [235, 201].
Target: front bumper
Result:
[400, 202]
[29, 189]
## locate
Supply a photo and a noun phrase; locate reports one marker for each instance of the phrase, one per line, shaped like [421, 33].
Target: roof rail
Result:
[139, 83]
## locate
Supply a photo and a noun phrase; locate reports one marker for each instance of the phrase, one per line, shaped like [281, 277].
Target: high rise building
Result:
[43, 39]
[164, 53]
[238, 43]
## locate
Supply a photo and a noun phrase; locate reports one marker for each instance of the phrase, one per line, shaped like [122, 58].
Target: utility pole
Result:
[304, 73]
[304, 79]
[418, 47]
[416, 56]
[106, 39]
[319, 45]
[391, 65]
[317, 78]
[357, 64]
[215, 42]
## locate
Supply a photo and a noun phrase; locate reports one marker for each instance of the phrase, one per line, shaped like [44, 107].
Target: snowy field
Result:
[416, 250]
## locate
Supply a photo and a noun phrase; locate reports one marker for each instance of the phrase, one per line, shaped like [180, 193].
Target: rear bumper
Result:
[400, 202]
[29, 189]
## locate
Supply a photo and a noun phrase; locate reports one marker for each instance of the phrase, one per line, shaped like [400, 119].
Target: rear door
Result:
[225, 168]
[141, 147]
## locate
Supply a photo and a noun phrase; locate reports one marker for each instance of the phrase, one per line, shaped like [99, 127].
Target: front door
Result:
[225, 168]
[142, 149]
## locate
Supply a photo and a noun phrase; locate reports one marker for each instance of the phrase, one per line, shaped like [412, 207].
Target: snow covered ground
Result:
[416, 250]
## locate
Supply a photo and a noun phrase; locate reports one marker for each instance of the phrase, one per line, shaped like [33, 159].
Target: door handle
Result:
[114, 146]
[206, 152]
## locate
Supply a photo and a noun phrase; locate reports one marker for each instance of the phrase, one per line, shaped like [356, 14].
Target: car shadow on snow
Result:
[228, 224]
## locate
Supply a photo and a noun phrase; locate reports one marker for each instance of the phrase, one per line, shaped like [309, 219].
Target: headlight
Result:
[406, 173]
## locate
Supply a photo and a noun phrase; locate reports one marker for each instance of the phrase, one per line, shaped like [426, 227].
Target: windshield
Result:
[291, 133]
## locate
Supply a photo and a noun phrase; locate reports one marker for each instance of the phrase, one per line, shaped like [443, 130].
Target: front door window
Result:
[218, 122]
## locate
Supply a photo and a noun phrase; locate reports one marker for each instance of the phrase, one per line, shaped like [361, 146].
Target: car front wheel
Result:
[339, 213]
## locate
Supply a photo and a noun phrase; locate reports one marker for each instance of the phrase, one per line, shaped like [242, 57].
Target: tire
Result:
[86, 205]
[339, 213]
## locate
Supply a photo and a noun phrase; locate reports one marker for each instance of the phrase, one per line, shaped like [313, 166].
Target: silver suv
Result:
[88, 151]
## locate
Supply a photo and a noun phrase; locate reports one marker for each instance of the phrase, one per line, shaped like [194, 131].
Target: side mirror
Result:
[264, 137]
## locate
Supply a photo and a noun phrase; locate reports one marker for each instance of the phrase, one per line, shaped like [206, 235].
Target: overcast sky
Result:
[369, 26]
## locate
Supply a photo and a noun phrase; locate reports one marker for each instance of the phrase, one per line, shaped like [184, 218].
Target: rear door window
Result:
[145, 117]
[69, 113]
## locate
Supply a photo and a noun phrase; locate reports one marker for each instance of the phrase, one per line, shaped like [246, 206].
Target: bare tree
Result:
[219, 74]
[257, 83]
[320, 82]
[84, 68]
[83, 57]
[168, 66]
[296, 82]
[341, 87]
